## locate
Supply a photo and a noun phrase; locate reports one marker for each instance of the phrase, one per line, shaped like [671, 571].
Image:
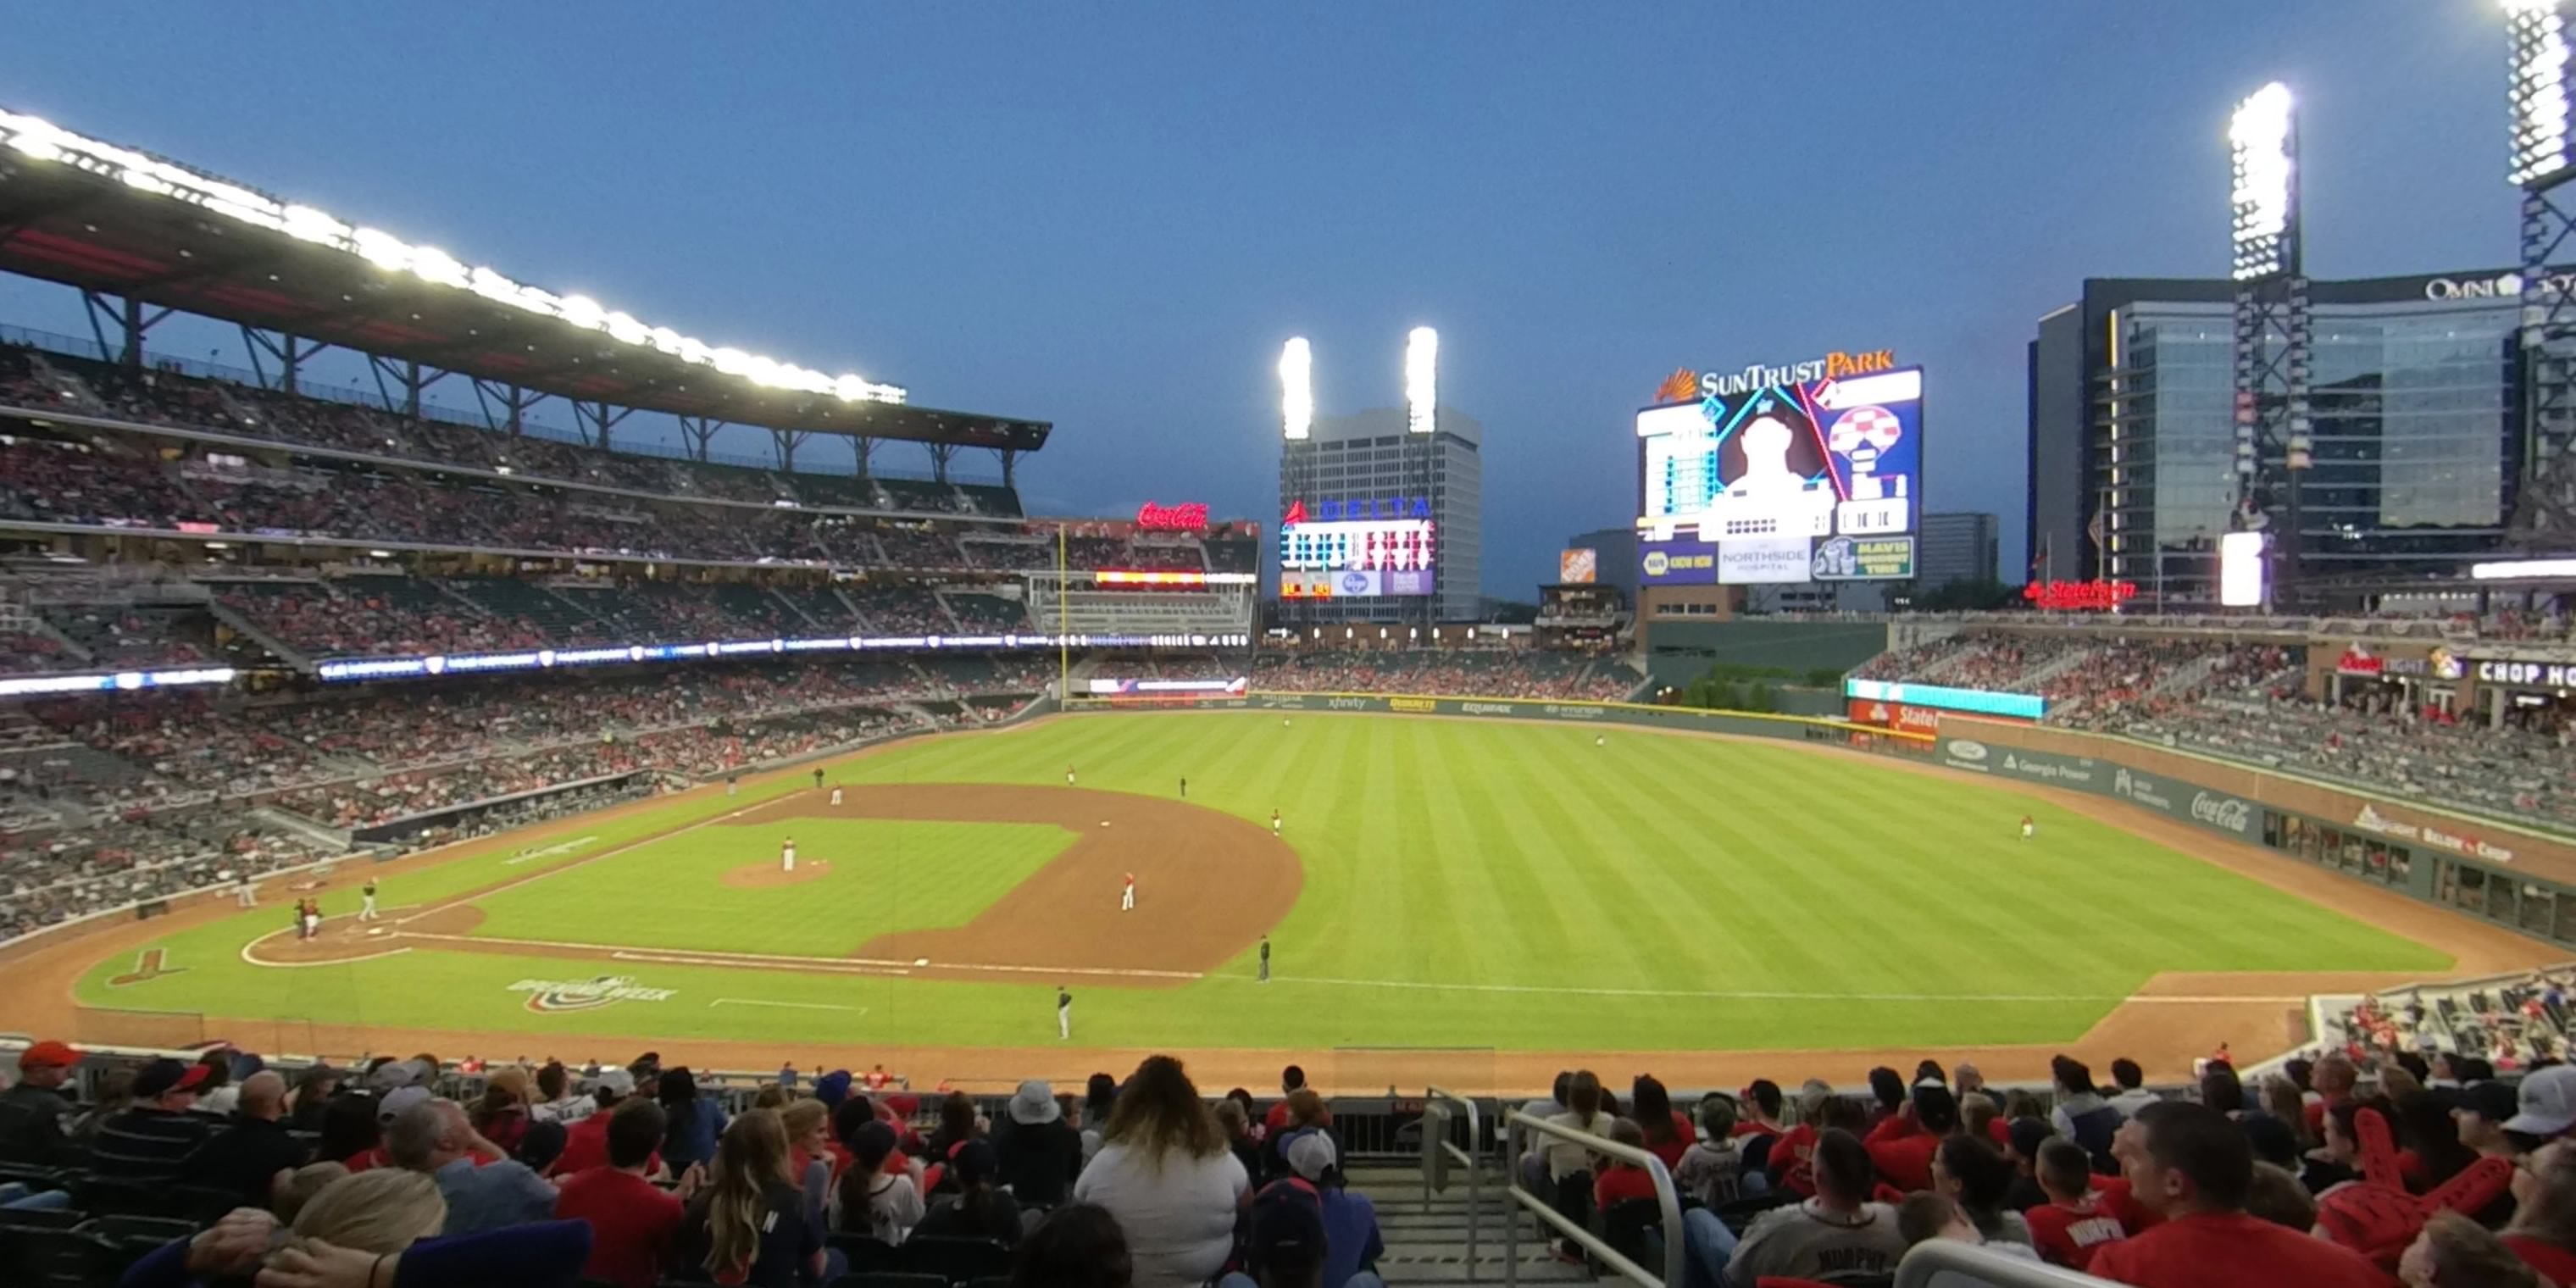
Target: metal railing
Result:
[1942, 1263]
[1666, 1196]
[1438, 1151]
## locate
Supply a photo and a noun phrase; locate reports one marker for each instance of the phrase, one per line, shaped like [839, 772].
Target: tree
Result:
[1758, 698]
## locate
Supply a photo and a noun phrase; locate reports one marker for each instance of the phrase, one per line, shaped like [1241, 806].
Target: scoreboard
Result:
[1357, 548]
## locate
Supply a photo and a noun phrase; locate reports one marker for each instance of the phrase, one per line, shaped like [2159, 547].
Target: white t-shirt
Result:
[1564, 1157]
[1179, 1218]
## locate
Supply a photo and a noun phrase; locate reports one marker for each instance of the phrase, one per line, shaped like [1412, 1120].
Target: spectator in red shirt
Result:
[1619, 1180]
[2456, 1252]
[631, 1219]
[1667, 1134]
[1791, 1161]
[1904, 1158]
[1762, 1102]
[586, 1142]
[2193, 1166]
[1291, 1080]
[2076, 1220]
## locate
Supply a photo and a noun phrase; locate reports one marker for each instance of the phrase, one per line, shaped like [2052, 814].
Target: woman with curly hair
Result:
[1165, 1172]
[748, 1226]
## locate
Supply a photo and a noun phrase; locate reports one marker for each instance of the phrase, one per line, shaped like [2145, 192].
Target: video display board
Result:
[1775, 473]
[1357, 549]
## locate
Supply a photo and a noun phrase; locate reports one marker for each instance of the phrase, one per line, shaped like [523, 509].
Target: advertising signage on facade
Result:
[1863, 559]
[1678, 563]
[2524, 673]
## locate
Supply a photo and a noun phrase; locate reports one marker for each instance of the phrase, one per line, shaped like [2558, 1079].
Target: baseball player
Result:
[787, 855]
[2029, 829]
[836, 793]
[245, 894]
[1185, 788]
[312, 918]
[1068, 775]
[1265, 959]
[1600, 740]
[818, 778]
[733, 784]
[1274, 822]
[1063, 1014]
[367, 901]
[1127, 894]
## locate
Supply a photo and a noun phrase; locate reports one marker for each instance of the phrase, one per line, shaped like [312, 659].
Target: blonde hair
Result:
[301, 1185]
[751, 1155]
[801, 1118]
[2464, 1252]
[380, 1210]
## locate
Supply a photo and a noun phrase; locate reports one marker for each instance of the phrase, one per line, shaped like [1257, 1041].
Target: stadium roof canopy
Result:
[121, 222]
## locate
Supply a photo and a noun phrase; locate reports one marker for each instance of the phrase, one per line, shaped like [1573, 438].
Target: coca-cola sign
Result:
[1191, 516]
[2223, 811]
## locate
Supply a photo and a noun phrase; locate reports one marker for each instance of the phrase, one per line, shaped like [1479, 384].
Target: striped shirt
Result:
[146, 1144]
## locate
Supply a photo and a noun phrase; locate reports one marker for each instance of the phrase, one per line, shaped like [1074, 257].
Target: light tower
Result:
[1422, 432]
[2271, 323]
[1296, 429]
[2544, 508]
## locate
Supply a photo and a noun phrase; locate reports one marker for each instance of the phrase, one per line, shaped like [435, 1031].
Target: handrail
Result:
[1946, 1261]
[1435, 1101]
[1666, 1196]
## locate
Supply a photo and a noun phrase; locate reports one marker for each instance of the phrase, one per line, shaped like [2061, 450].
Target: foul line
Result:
[609, 853]
[337, 961]
[800, 1006]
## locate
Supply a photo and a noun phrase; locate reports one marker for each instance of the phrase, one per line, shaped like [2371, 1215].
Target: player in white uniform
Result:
[836, 795]
[1127, 894]
[1068, 775]
[1274, 822]
[787, 855]
[2029, 829]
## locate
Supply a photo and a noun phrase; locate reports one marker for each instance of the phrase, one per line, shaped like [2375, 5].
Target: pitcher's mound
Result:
[769, 876]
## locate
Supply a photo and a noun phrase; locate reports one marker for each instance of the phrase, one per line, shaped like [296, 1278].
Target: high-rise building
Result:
[2414, 402]
[1955, 547]
[1371, 457]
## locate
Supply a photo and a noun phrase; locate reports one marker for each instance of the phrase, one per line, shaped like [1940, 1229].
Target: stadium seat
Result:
[202, 1204]
[864, 1253]
[1624, 1225]
[36, 1256]
[109, 1196]
[889, 1279]
[954, 1260]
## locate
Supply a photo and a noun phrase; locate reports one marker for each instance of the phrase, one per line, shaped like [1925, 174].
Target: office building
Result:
[1370, 457]
[1955, 547]
[2414, 403]
[1614, 553]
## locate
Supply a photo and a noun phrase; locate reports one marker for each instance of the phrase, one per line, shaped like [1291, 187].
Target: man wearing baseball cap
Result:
[32, 1113]
[149, 1141]
[1288, 1241]
[1351, 1239]
[2546, 1103]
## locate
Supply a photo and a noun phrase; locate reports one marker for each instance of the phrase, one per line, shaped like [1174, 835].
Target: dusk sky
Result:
[1110, 215]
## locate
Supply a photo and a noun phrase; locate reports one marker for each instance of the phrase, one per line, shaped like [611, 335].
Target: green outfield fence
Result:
[1751, 724]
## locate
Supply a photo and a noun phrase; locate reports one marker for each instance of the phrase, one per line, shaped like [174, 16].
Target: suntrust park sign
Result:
[1681, 386]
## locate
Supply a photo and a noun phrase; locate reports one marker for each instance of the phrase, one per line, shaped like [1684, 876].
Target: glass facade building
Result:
[2415, 418]
[1369, 456]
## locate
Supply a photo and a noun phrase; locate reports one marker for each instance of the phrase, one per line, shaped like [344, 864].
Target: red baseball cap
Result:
[49, 1054]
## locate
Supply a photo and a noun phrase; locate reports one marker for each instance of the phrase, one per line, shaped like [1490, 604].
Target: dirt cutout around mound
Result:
[770, 876]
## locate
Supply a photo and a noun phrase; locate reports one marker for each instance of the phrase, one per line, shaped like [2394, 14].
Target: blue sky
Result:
[1110, 215]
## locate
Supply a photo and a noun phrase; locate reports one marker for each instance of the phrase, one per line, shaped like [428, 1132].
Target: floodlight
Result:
[1296, 389]
[2240, 569]
[1422, 380]
[41, 140]
[2537, 92]
[2262, 141]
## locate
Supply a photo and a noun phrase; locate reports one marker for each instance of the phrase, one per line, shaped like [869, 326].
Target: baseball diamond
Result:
[1493, 883]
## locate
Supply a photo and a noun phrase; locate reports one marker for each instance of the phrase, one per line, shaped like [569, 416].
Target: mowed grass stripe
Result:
[1470, 858]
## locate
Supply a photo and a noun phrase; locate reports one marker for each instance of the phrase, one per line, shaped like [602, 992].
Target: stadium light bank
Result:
[40, 140]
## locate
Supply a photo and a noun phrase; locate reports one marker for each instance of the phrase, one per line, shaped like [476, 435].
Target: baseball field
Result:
[1486, 887]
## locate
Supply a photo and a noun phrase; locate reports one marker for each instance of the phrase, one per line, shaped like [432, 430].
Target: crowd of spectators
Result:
[1488, 673]
[50, 875]
[173, 399]
[2509, 1023]
[536, 1172]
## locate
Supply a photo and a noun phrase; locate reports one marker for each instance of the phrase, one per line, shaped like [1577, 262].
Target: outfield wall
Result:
[1751, 724]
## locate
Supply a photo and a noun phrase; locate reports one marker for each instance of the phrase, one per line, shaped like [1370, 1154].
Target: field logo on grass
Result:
[149, 965]
[558, 996]
[2222, 811]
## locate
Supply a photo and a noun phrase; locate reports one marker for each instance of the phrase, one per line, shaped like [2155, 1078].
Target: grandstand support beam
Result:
[514, 400]
[289, 350]
[2543, 515]
[407, 375]
[1010, 463]
[863, 450]
[940, 455]
[695, 431]
[788, 440]
[131, 326]
[593, 421]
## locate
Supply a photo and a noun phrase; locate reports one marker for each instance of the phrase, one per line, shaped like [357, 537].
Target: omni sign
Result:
[2504, 286]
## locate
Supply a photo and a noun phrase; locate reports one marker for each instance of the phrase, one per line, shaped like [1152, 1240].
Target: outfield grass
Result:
[1467, 883]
